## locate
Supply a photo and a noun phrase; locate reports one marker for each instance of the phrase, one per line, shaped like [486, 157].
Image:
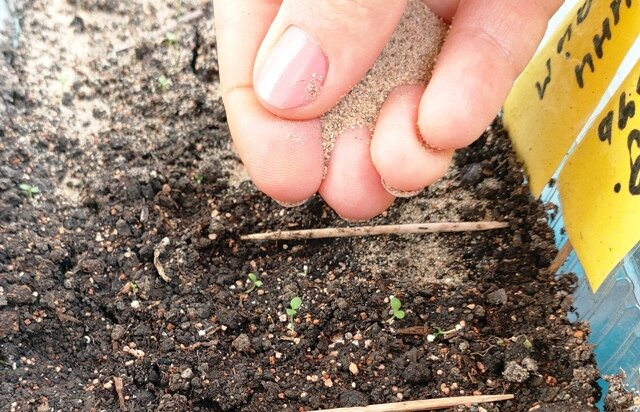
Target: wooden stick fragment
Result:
[119, 386]
[424, 405]
[411, 228]
[561, 257]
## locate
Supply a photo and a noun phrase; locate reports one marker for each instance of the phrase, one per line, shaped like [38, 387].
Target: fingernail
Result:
[350, 220]
[293, 73]
[400, 193]
[290, 205]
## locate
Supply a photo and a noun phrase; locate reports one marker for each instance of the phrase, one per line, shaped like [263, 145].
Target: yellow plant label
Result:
[555, 95]
[600, 185]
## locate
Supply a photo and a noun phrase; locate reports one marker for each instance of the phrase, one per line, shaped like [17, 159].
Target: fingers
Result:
[283, 158]
[489, 44]
[352, 187]
[240, 27]
[397, 150]
[446, 9]
[316, 51]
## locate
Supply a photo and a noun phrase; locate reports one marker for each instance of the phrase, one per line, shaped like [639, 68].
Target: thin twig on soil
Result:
[412, 228]
[424, 405]
[119, 386]
[561, 257]
[66, 318]
[412, 330]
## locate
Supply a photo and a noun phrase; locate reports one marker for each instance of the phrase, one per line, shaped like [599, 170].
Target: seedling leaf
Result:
[25, 187]
[295, 303]
[399, 314]
[395, 303]
[171, 37]
[253, 277]
[258, 283]
[291, 312]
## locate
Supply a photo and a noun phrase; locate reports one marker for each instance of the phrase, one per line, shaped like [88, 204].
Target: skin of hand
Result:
[271, 51]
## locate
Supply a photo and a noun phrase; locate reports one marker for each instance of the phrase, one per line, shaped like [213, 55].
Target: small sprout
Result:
[29, 190]
[396, 306]
[134, 287]
[439, 333]
[500, 342]
[305, 271]
[292, 310]
[527, 343]
[198, 178]
[62, 80]
[255, 282]
[164, 83]
[170, 38]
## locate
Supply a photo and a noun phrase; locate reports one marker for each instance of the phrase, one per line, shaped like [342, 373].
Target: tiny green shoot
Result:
[29, 190]
[164, 83]
[170, 38]
[198, 178]
[292, 310]
[134, 287]
[396, 306]
[255, 282]
[439, 333]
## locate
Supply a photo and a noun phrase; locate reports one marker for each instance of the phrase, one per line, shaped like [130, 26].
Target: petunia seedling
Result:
[439, 333]
[29, 190]
[164, 83]
[292, 310]
[255, 282]
[396, 306]
[170, 38]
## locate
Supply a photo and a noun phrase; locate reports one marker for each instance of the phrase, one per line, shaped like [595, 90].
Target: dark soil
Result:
[132, 158]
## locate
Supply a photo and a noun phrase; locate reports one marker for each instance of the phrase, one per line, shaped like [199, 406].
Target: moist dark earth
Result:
[123, 281]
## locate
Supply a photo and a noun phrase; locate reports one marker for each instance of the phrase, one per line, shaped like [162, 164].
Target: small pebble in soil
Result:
[472, 174]
[498, 297]
[242, 343]
[530, 364]
[187, 374]
[515, 373]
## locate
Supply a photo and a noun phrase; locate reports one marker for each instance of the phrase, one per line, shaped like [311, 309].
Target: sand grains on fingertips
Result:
[408, 58]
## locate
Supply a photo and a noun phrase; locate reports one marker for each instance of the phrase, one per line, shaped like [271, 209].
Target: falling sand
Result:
[408, 58]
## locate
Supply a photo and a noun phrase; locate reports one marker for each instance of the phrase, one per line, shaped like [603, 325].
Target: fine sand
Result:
[408, 58]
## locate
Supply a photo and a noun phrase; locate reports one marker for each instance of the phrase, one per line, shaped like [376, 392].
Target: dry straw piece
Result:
[425, 405]
[405, 229]
[408, 58]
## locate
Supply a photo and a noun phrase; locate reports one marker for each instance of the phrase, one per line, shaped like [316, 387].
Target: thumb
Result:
[316, 51]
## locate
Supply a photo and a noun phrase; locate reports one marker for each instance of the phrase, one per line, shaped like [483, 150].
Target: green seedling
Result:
[292, 310]
[134, 287]
[198, 178]
[170, 38]
[164, 83]
[255, 282]
[396, 306]
[439, 333]
[29, 190]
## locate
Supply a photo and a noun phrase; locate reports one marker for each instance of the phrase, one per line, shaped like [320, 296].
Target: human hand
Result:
[268, 48]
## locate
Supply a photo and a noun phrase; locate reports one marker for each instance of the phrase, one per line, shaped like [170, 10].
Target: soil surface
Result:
[123, 282]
